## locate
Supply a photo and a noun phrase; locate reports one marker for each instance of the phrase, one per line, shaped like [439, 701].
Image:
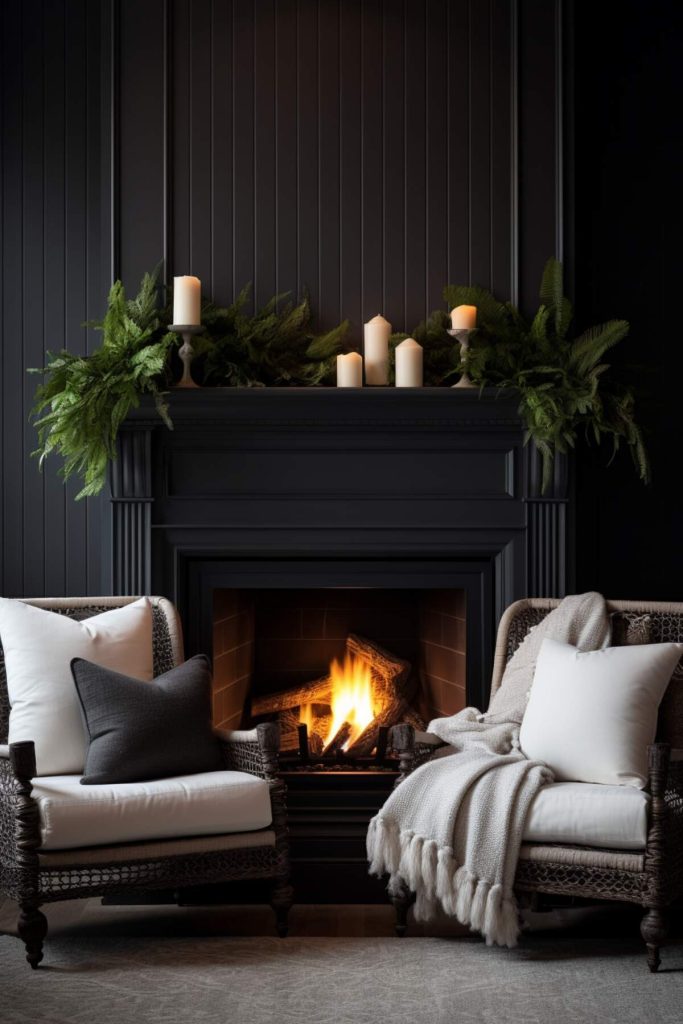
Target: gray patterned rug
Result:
[257, 980]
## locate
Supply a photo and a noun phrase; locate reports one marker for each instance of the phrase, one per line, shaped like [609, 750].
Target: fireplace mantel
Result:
[351, 476]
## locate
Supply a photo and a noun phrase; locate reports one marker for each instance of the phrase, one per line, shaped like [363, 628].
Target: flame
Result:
[351, 698]
[306, 716]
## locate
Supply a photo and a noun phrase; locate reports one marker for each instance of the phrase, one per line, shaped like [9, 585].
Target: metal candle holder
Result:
[462, 336]
[186, 352]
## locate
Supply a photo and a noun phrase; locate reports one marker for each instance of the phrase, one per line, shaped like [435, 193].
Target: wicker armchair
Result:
[652, 876]
[33, 877]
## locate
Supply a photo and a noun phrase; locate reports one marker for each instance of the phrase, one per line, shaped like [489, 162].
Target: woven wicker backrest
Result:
[167, 639]
[662, 621]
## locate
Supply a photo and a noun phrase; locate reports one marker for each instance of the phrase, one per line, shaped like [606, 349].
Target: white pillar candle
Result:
[187, 301]
[350, 370]
[464, 318]
[409, 364]
[376, 350]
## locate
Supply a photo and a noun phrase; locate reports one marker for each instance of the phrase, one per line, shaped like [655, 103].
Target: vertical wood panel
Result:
[33, 276]
[329, 72]
[350, 186]
[201, 155]
[286, 150]
[180, 177]
[480, 143]
[221, 147]
[243, 144]
[437, 153]
[141, 118]
[458, 157]
[76, 293]
[394, 64]
[308, 209]
[415, 163]
[363, 151]
[54, 186]
[13, 355]
[372, 149]
[264, 149]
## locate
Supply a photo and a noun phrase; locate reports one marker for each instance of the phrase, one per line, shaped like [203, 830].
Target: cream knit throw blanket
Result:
[452, 830]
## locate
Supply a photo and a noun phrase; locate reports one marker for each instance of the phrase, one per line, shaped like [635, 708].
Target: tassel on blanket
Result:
[445, 870]
[432, 873]
[501, 922]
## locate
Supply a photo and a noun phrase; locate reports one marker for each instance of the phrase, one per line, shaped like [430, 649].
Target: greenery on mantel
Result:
[563, 385]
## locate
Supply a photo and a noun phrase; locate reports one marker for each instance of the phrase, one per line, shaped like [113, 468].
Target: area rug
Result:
[257, 980]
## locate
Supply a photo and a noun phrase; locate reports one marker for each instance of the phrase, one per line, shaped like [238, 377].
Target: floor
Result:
[340, 965]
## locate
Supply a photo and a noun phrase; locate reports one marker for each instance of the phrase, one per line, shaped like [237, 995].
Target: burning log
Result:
[317, 692]
[390, 714]
[315, 745]
[391, 677]
[339, 739]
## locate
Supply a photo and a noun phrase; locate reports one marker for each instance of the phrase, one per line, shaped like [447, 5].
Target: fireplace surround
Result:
[271, 511]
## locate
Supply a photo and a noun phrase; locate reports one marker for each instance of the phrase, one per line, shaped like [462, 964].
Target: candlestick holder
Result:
[462, 336]
[186, 352]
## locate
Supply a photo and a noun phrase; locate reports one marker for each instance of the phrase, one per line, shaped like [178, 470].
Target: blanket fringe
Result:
[432, 873]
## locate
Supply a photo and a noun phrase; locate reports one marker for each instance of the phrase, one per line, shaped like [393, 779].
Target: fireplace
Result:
[281, 654]
[283, 522]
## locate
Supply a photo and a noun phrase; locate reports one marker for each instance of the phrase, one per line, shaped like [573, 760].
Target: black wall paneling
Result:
[55, 245]
[368, 153]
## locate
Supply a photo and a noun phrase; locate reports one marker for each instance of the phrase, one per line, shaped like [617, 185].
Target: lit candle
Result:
[187, 301]
[464, 318]
[350, 370]
[376, 350]
[409, 364]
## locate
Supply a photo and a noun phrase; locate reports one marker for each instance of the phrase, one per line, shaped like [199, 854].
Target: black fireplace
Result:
[281, 521]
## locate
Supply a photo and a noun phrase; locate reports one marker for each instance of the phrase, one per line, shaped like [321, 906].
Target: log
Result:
[317, 692]
[338, 740]
[414, 718]
[289, 742]
[390, 714]
[315, 744]
[391, 676]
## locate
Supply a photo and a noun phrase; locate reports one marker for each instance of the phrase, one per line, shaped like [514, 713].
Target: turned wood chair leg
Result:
[281, 899]
[653, 928]
[402, 899]
[32, 929]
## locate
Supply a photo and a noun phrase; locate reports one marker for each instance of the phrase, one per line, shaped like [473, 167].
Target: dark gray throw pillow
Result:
[146, 730]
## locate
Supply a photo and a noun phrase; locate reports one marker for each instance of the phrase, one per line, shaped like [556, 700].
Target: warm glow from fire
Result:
[306, 716]
[351, 698]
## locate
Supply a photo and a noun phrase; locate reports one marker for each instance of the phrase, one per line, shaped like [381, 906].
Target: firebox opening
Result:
[268, 642]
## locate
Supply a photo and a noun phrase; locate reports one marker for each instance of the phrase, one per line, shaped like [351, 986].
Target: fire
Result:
[351, 698]
[306, 716]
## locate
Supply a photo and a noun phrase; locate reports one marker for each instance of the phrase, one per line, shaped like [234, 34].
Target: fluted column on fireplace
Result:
[546, 526]
[131, 495]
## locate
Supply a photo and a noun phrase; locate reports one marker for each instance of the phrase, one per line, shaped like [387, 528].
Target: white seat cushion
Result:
[209, 803]
[589, 814]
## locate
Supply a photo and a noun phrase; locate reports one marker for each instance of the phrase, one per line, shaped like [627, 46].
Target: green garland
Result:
[85, 399]
[563, 386]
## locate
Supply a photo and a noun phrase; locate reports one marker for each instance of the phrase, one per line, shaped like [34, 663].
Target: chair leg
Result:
[281, 899]
[32, 929]
[653, 928]
[402, 899]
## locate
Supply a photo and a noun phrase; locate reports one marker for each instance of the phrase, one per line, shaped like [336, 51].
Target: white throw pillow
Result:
[39, 646]
[592, 714]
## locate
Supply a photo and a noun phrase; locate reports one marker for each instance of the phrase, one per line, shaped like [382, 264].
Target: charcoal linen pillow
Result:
[146, 730]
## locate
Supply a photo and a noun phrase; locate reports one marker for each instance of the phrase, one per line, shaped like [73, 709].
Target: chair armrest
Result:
[413, 748]
[19, 818]
[252, 750]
